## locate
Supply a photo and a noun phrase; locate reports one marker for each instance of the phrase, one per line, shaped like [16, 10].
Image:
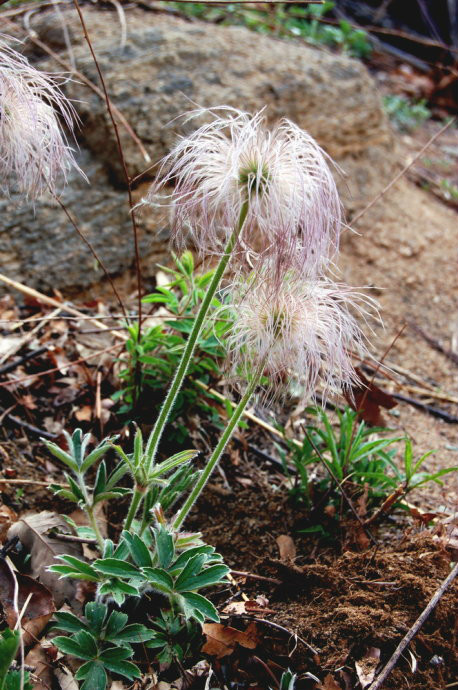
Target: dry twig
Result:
[383, 675]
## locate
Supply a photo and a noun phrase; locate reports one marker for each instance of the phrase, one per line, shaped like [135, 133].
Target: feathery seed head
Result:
[294, 210]
[34, 152]
[302, 329]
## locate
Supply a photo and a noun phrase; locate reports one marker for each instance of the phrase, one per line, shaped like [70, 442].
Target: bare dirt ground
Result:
[408, 250]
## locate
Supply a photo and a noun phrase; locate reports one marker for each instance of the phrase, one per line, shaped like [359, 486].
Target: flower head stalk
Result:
[294, 209]
[34, 153]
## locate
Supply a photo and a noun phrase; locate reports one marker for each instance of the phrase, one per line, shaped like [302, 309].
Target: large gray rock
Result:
[166, 66]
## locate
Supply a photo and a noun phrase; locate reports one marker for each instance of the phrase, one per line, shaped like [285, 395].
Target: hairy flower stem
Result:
[137, 498]
[222, 443]
[155, 436]
[89, 510]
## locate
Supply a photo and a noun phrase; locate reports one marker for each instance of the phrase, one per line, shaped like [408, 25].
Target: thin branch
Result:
[253, 576]
[383, 675]
[123, 163]
[277, 627]
[69, 364]
[93, 252]
[45, 299]
[402, 172]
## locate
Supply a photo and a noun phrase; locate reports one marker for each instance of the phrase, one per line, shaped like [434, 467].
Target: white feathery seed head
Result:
[34, 152]
[301, 329]
[294, 212]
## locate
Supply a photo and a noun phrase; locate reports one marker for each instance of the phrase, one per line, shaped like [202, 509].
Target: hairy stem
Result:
[137, 498]
[155, 436]
[89, 510]
[222, 443]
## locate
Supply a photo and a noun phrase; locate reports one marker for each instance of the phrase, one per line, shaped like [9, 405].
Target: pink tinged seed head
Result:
[294, 209]
[301, 329]
[34, 152]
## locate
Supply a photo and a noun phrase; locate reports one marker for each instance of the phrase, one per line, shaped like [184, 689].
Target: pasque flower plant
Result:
[239, 189]
[35, 156]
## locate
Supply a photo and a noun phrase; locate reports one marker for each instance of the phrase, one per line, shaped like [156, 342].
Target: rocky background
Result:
[166, 66]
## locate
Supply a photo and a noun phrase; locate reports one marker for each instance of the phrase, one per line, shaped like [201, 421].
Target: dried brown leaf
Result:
[40, 606]
[286, 547]
[329, 683]
[7, 517]
[367, 666]
[222, 640]
[34, 533]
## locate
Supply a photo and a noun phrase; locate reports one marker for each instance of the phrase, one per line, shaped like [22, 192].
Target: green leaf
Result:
[172, 462]
[95, 614]
[60, 454]
[116, 622]
[97, 453]
[94, 674]
[159, 579]
[68, 622]
[68, 571]
[73, 646]
[135, 633]
[13, 681]
[78, 565]
[9, 644]
[193, 602]
[138, 550]
[114, 660]
[184, 557]
[75, 489]
[100, 479]
[165, 548]
[209, 576]
[115, 567]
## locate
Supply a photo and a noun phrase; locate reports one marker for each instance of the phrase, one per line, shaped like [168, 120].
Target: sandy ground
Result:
[408, 251]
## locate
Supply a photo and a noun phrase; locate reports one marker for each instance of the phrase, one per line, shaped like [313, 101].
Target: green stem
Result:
[89, 510]
[222, 443]
[155, 436]
[137, 497]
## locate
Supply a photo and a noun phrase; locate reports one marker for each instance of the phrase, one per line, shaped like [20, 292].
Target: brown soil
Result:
[340, 601]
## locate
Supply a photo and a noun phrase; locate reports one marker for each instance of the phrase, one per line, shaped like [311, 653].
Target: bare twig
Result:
[32, 482]
[277, 627]
[123, 164]
[434, 411]
[383, 675]
[69, 364]
[253, 576]
[44, 299]
[93, 252]
[30, 427]
[11, 366]
[397, 177]
[435, 344]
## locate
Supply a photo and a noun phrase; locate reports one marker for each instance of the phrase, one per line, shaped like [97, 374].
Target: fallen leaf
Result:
[222, 640]
[367, 666]
[84, 414]
[38, 660]
[329, 683]
[366, 398]
[66, 678]
[34, 533]
[7, 517]
[249, 606]
[286, 547]
[40, 605]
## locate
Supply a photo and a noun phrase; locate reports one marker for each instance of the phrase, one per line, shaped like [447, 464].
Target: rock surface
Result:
[167, 65]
